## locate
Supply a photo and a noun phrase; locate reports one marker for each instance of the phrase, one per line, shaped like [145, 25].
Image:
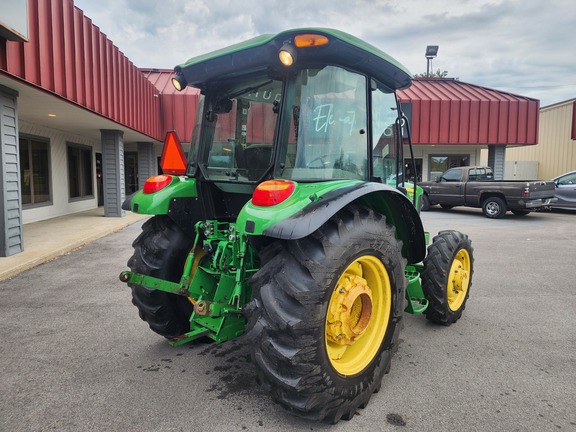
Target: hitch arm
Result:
[154, 283]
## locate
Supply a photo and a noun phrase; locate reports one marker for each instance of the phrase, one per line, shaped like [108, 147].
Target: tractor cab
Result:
[302, 106]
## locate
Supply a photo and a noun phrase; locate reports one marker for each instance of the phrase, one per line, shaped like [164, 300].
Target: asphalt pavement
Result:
[75, 356]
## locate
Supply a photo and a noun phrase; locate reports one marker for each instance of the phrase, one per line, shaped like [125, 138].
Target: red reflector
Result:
[156, 183]
[272, 192]
[173, 160]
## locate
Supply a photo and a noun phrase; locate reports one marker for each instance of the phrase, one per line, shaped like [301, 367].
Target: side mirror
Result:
[437, 179]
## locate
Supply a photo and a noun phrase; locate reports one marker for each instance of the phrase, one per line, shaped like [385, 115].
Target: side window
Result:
[567, 180]
[35, 171]
[475, 174]
[79, 172]
[454, 175]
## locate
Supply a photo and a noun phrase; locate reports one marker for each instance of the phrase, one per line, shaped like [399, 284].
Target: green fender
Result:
[303, 213]
[158, 203]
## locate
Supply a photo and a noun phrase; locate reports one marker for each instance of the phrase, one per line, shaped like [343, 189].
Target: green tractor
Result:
[291, 220]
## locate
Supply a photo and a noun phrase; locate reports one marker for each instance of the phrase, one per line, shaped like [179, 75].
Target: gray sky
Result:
[526, 47]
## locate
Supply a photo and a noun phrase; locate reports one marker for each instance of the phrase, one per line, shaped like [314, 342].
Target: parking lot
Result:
[76, 357]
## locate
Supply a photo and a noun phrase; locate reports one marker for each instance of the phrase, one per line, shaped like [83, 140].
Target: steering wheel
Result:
[324, 161]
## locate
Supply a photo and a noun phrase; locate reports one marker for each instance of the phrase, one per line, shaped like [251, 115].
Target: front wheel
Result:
[494, 207]
[330, 305]
[447, 276]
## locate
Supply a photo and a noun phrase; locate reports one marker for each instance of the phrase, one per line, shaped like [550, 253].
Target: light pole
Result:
[431, 52]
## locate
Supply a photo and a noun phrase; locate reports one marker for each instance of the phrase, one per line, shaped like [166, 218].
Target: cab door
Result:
[449, 189]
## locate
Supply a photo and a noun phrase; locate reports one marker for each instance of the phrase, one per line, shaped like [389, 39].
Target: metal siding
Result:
[58, 56]
[452, 112]
[11, 238]
[69, 56]
[31, 66]
[113, 172]
[146, 162]
[573, 134]
[70, 59]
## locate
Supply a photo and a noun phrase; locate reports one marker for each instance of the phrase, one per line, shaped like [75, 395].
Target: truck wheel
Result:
[161, 251]
[425, 203]
[447, 276]
[494, 207]
[329, 308]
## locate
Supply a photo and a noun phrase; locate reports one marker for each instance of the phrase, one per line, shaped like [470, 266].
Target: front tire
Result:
[330, 307]
[447, 276]
[161, 251]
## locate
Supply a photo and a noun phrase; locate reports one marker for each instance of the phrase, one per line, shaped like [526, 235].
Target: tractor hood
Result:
[261, 53]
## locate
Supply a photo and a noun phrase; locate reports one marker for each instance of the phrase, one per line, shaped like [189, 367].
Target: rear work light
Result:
[272, 192]
[156, 183]
[173, 160]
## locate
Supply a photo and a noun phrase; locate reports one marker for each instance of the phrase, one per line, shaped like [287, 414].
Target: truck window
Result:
[453, 175]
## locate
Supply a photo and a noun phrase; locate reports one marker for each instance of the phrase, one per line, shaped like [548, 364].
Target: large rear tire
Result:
[447, 276]
[329, 310]
[161, 251]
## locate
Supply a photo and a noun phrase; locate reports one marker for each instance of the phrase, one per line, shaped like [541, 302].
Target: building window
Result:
[440, 163]
[34, 171]
[80, 172]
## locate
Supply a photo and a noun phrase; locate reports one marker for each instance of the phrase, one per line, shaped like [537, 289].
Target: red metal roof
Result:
[178, 109]
[70, 57]
[448, 111]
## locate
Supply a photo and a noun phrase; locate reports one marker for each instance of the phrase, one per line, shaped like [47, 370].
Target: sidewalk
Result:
[46, 240]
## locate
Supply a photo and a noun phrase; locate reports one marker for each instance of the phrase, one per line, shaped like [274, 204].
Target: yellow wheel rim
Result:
[458, 280]
[358, 315]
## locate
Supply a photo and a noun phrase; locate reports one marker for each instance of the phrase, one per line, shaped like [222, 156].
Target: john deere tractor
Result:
[291, 220]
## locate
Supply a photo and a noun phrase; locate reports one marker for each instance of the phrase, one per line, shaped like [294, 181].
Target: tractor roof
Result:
[261, 53]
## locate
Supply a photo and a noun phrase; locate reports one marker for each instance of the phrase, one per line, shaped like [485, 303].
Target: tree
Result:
[437, 74]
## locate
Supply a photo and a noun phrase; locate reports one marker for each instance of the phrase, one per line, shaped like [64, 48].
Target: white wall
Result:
[61, 204]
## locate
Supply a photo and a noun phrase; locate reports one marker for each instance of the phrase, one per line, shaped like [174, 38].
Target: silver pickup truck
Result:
[475, 187]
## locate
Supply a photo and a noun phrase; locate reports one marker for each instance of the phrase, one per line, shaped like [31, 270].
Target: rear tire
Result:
[447, 276]
[348, 275]
[494, 207]
[161, 251]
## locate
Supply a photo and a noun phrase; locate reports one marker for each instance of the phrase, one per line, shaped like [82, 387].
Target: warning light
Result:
[173, 160]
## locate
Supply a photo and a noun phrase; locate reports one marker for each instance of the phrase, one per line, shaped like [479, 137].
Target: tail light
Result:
[156, 183]
[272, 192]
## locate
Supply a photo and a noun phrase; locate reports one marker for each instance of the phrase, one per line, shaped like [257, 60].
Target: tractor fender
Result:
[382, 198]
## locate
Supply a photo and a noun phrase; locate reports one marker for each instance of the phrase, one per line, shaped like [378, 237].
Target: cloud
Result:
[523, 47]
